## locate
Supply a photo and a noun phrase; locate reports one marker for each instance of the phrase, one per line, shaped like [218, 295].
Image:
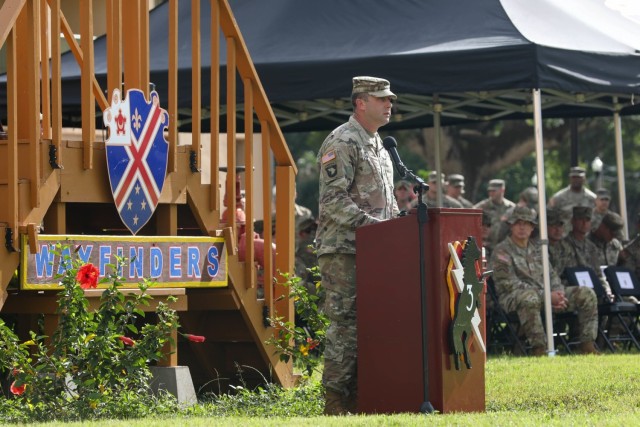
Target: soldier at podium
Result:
[356, 188]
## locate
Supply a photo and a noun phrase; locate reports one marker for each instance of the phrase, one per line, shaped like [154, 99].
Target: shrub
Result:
[96, 364]
[303, 342]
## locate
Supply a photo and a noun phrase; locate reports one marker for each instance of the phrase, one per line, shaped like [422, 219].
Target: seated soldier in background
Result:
[577, 249]
[431, 196]
[608, 238]
[403, 192]
[306, 254]
[555, 232]
[495, 206]
[603, 199]
[455, 189]
[518, 275]
[630, 255]
[529, 198]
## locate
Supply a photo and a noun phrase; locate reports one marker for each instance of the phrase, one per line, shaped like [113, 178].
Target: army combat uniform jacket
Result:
[516, 269]
[356, 187]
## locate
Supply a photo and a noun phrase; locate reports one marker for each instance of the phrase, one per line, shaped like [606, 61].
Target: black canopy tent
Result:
[481, 58]
[448, 62]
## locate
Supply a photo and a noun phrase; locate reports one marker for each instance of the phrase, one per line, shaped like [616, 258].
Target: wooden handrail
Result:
[8, 16]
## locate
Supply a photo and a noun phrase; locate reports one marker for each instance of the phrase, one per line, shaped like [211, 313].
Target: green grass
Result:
[561, 391]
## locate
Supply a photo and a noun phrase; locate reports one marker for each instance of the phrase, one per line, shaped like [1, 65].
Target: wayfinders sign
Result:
[195, 262]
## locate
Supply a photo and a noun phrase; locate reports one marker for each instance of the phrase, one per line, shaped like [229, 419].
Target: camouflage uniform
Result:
[496, 212]
[607, 252]
[432, 202]
[356, 188]
[518, 275]
[457, 180]
[631, 256]
[596, 219]
[447, 202]
[566, 198]
[581, 253]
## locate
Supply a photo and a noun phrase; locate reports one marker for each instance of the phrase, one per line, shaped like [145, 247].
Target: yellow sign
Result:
[169, 261]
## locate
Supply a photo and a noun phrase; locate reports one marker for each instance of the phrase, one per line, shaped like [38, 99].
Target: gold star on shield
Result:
[129, 204]
[144, 205]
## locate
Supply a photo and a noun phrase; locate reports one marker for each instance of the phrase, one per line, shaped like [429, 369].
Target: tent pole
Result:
[542, 218]
[622, 191]
[437, 110]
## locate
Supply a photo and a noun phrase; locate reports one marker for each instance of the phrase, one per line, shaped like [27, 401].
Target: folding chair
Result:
[562, 325]
[624, 284]
[608, 310]
[502, 327]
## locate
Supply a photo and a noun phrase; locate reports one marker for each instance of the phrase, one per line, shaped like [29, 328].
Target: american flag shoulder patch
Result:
[503, 257]
[328, 156]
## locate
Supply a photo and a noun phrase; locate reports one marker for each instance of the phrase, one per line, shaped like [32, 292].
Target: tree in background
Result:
[501, 149]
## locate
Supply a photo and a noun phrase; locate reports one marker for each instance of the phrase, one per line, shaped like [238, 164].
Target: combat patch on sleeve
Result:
[330, 164]
[331, 169]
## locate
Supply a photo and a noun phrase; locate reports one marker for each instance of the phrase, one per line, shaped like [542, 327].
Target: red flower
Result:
[88, 276]
[195, 338]
[127, 340]
[312, 343]
[17, 390]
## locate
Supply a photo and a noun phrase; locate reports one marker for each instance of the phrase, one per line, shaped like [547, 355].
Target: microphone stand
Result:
[419, 189]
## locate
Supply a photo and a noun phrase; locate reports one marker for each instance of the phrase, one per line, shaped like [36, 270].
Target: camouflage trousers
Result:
[529, 303]
[338, 275]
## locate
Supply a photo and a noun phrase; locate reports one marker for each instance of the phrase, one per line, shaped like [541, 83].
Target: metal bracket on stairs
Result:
[8, 239]
[193, 161]
[265, 316]
[53, 157]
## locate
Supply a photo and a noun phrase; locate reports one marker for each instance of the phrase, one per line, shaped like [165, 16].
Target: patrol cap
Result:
[603, 194]
[555, 217]
[456, 180]
[373, 86]
[582, 212]
[433, 177]
[577, 171]
[529, 195]
[496, 184]
[613, 221]
[522, 213]
[308, 225]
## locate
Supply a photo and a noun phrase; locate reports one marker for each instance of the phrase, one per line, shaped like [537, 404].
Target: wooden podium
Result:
[390, 362]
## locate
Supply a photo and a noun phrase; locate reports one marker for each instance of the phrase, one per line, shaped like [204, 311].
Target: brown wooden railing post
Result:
[44, 71]
[86, 82]
[28, 86]
[173, 86]
[11, 203]
[215, 107]
[230, 193]
[248, 182]
[114, 47]
[56, 80]
[285, 248]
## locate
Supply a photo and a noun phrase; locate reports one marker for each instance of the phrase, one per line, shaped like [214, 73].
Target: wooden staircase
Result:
[61, 185]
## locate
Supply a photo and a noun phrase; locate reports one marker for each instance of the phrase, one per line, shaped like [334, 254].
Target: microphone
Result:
[390, 144]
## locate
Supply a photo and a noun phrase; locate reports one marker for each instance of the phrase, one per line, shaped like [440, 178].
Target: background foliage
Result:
[502, 149]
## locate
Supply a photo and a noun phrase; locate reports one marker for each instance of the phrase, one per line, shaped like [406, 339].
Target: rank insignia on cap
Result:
[330, 155]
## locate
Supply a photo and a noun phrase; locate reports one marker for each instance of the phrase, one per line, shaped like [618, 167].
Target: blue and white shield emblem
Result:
[137, 155]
